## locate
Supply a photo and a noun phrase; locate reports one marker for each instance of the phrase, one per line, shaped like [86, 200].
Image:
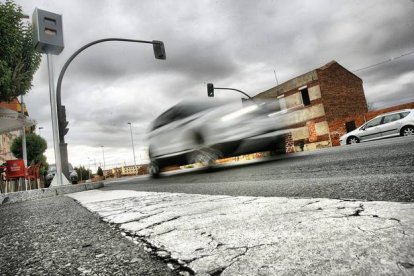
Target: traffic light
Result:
[159, 50]
[63, 130]
[210, 89]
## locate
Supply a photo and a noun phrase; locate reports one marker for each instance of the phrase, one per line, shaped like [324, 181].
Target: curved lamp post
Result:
[159, 53]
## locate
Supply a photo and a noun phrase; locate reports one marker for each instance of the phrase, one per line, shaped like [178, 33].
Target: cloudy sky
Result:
[231, 43]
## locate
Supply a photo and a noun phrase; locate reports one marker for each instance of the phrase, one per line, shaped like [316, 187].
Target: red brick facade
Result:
[342, 92]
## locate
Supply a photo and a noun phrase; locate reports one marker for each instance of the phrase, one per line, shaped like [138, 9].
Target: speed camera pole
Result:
[54, 120]
[48, 39]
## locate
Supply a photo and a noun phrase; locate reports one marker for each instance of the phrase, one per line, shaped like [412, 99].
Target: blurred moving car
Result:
[202, 132]
[385, 125]
[51, 171]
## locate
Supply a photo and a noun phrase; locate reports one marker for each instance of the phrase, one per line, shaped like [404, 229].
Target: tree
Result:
[35, 146]
[83, 173]
[18, 58]
[100, 171]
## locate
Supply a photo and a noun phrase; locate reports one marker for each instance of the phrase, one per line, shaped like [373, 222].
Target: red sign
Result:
[15, 168]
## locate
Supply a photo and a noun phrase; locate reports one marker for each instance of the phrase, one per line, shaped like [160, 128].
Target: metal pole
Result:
[24, 149]
[133, 150]
[103, 155]
[277, 82]
[55, 128]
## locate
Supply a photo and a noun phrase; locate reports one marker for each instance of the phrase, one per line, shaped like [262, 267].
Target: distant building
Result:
[129, 170]
[318, 101]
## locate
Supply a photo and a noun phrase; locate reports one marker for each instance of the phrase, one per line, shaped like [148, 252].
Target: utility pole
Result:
[277, 82]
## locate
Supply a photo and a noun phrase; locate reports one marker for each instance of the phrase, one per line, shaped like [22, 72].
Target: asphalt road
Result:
[381, 170]
[56, 236]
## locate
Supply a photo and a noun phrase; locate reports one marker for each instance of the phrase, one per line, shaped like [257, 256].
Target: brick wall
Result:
[342, 92]
[374, 113]
[290, 146]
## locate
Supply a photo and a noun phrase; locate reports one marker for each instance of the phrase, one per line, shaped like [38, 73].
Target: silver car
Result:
[385, 125]
[194, 132]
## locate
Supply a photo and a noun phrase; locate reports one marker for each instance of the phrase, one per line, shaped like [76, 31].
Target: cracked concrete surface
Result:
[227, 235]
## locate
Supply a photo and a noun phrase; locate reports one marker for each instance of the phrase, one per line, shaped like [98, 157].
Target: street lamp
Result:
[89, 167]
[103, 155]
[159, 53]
[40, 131]
[133, 150]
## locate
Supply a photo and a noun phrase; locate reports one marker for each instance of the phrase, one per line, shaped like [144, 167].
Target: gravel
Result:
[56, 236]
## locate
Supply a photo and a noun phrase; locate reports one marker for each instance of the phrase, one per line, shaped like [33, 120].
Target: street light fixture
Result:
[133, 150]
[40, 132]
[159, 53]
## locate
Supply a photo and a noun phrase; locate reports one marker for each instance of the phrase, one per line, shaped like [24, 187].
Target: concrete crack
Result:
[141, 218]
[357, 211]
[250, 200]
[313, 202]
[160, 222]
[166, 232]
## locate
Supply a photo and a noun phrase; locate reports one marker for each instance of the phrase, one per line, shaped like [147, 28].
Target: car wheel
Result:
[407, 131]
[154, 169]
[352, 140]
[206, 157]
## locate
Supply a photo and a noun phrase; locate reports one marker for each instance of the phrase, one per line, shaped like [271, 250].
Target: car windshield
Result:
[182, 110]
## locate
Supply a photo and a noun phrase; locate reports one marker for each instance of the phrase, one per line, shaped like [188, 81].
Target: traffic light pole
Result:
[224, 88]
[211, 88]
[159, 53]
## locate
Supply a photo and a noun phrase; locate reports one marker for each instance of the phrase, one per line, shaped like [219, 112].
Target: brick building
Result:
[317, 102]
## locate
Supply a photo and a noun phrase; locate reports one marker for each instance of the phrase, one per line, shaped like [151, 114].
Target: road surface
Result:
[380, 170]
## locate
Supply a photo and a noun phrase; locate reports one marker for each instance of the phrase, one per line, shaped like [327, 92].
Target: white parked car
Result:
[397, 123]
[201, 132]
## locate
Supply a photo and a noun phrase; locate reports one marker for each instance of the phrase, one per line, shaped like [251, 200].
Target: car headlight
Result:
[239, 113]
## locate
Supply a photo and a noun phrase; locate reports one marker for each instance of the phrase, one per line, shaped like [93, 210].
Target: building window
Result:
[305, 96]
[350, 126]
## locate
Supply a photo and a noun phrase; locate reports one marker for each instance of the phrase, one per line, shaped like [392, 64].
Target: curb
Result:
[47, 192]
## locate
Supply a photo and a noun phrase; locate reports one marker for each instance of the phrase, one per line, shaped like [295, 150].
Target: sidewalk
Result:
[56, 236]
[226, 235]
